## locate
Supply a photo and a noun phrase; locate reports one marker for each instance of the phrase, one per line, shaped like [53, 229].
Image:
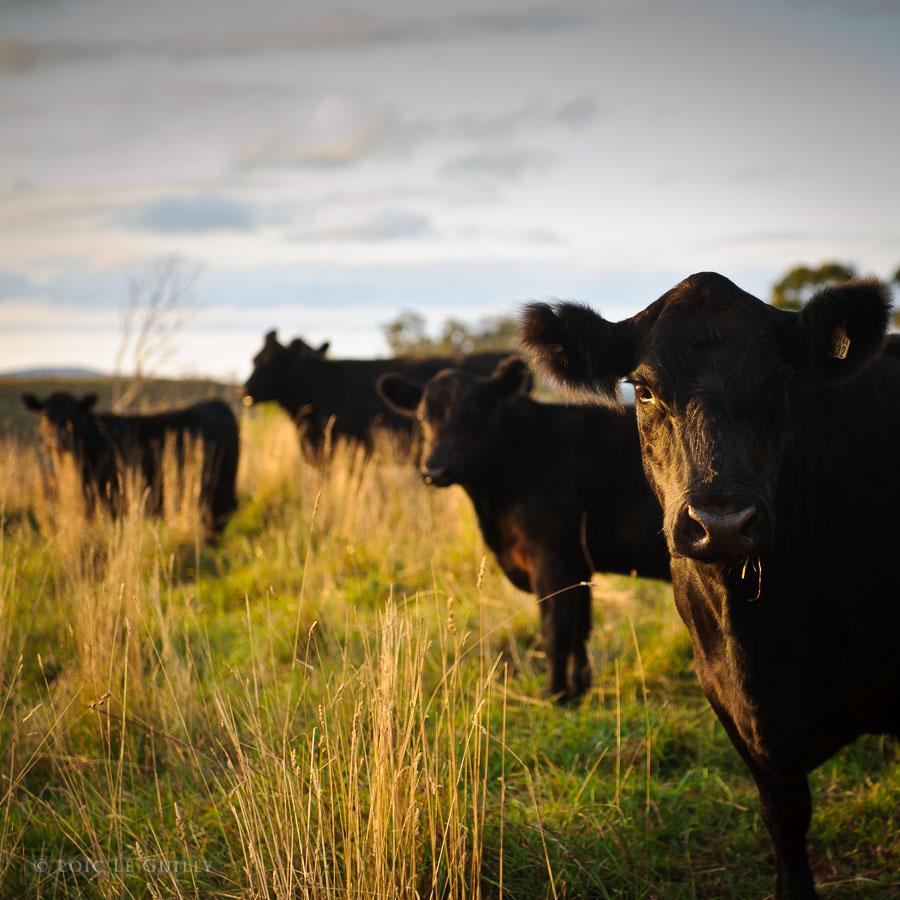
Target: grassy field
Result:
[343, 698]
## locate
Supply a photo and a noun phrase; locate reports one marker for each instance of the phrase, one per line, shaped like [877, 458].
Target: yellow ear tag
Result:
[840, 343]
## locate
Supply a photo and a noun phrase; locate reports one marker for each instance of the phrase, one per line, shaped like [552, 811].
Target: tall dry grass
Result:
[333, 750]
[381, 795]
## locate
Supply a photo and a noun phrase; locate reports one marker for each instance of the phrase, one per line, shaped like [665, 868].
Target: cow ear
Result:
[579, 348]
[400, 394]
[842, 329]
[272, 337]
[512, 376]
[31, 402]
[86, 403]
[323, 349]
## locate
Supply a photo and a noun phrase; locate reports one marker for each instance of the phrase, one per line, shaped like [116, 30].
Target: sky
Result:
[319, 167]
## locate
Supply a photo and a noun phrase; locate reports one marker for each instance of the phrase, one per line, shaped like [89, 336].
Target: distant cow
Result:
[104, 444]
[338, 397]
[558, 490]
[771, 439]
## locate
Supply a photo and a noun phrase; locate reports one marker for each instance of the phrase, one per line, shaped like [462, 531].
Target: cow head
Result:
[455, 408]
[716, 373]
[272, 367]
[64, 419]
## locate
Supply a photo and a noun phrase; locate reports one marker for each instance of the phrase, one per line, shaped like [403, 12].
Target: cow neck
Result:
[301, 392]
[512, 453]
[97, 433]
[829, 493]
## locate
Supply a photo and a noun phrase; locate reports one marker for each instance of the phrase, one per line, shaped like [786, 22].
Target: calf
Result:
[558, 491]
[104, 444]
[338, 397]
[771, 439]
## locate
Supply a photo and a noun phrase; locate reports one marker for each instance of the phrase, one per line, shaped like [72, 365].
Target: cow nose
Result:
[718, 532]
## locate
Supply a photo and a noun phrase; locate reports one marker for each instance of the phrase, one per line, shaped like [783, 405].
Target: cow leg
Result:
[579, 673]
[565, 625]
[787, 810]
[224, 500]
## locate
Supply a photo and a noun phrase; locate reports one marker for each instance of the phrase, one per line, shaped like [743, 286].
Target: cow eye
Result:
[643, 394]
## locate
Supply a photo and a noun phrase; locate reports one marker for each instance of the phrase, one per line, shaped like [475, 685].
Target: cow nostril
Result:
[748, 518]
[719, 531]
[738, 521]
[694, 527]
[731, 521]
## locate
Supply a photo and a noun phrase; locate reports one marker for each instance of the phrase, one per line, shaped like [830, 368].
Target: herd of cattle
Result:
[756, 471]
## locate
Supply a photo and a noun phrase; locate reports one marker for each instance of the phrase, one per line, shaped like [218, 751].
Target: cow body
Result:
[338, 398]
[558, 491]
[772, 455]
[105, 444]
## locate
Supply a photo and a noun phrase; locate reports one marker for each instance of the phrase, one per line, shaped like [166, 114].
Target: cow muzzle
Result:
[712, 532]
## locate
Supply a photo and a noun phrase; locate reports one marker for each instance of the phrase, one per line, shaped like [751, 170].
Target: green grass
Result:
[344, 698]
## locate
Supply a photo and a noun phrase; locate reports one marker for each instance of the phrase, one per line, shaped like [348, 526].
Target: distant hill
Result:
[54, 372]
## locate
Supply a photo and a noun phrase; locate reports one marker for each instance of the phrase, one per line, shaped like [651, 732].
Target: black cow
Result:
[104, 444]
[771, 439]
[338, 397]
[558, 491]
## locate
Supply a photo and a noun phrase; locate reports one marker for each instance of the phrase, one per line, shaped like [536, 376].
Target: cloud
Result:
[341, 130]
[18, 55]
[495, 163]
[24, 56]
[335, 31]
[884, 238]
[194, 214]
[384, 225]
[210, 28]
[361, 28]
[529, 118]
[578, 112]
[537, 235]
[866, 7]
[516, 21]
[283, 152]
[12, 284]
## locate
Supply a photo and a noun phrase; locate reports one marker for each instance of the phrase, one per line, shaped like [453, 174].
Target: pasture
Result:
[344, 698]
